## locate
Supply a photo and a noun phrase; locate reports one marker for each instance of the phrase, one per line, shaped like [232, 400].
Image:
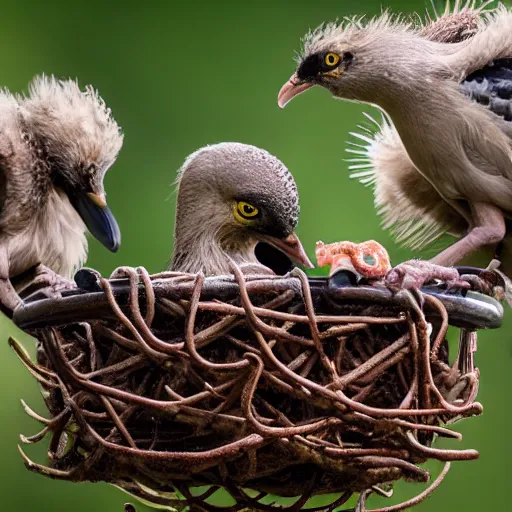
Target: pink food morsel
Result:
[368, 258]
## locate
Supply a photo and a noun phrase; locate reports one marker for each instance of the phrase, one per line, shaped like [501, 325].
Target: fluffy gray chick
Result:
[56, 145]
[230, 197]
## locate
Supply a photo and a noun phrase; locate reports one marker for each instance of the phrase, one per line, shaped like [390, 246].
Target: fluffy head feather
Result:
[376, 60]
[457, 22]
[351, 30]
[465, 17]
[75, 128]
[56, 144]
[373, 60]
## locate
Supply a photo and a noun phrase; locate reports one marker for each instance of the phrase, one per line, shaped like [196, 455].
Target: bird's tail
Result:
[408, 204]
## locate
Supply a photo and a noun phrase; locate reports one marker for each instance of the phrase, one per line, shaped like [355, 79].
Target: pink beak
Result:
[292, 247]
[292, 88]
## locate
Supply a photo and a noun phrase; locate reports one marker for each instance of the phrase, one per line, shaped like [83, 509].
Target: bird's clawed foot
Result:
[491, 282]
[43, 282]
[413, 274]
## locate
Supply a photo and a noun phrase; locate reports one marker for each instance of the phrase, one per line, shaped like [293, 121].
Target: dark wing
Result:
[492, 86]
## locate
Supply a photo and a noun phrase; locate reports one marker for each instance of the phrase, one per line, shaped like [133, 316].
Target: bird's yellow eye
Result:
[245, 212]
[331, 59]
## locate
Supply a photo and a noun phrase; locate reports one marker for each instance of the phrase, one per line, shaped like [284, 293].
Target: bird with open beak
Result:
[56, 144]
[231, 197]
[448, 94]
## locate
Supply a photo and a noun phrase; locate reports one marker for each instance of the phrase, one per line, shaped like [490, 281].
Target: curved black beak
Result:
[98, 218]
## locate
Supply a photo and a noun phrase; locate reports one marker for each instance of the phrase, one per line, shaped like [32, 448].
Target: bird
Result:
[446, 93]
[56, 144]
[231, 197]
[409, 205]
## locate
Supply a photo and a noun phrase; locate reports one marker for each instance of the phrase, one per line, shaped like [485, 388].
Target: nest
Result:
[289, 386]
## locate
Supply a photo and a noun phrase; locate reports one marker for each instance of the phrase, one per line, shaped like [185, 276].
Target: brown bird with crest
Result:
[447, 89]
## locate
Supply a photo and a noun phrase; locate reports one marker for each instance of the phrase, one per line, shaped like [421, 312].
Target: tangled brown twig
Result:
[265, 384]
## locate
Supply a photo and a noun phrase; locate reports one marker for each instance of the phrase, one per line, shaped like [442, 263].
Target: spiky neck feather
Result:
[49, 228]
[209, 249]
[205, 236]
[55, 235]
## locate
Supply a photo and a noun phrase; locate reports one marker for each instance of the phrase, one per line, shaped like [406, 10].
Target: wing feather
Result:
[409, 206]
[491, 86]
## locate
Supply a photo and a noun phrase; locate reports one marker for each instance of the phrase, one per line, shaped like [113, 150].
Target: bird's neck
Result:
[412, 83]
[69, 241]
[55, 235]
[208, 251]
[400, 70]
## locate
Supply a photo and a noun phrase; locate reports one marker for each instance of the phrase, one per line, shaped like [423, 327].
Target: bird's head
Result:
[234, 195]
[352, 60]
[74, 132]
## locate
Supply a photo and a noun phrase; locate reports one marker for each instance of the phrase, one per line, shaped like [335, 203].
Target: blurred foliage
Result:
[179, 75]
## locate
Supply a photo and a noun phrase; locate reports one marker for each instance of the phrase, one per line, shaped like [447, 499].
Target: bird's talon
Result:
[416, 273]
[457, 285]
[47, 284]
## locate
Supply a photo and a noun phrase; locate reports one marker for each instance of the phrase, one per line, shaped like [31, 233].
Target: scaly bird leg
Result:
[488, 229]
[413, 274]
[43, 280]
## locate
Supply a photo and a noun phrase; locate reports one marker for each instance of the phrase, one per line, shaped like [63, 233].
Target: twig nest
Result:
[280, 385]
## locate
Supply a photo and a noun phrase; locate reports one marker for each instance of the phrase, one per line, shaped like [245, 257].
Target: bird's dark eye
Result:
[331, 59]
[245, 212]
[248, 210]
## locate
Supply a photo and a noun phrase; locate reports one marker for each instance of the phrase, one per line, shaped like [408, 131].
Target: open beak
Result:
[292, 247]
[292, 88]
[98, 218]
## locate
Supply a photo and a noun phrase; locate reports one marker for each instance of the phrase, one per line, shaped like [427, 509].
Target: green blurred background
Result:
[179, 75]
